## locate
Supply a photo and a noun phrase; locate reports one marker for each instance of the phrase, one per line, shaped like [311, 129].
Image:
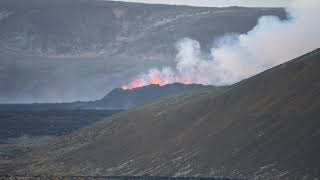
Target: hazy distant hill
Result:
[69, 50]
[117, 99]
[93, 28]
[125, 99]
[265, 127]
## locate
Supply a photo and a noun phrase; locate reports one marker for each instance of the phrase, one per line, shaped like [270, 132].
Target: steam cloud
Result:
[236, 57]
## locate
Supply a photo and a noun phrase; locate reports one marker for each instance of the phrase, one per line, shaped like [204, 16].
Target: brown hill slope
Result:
[266, 127]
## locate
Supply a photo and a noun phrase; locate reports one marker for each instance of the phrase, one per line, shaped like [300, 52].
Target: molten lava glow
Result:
[158, 81]
[125, 88]
[188, 81]
[158, 77]
[134, 84]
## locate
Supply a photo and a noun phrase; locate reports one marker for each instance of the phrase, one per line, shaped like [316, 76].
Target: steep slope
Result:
[265, 127]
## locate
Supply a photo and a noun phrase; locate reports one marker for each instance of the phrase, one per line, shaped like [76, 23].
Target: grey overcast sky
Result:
[219, 3]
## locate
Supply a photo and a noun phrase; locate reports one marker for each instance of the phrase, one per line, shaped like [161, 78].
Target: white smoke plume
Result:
[236, 57]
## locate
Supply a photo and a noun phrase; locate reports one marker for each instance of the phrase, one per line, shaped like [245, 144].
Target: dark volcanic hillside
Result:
[69, 50]
[117, 99]
[125, 99]
[266, 127]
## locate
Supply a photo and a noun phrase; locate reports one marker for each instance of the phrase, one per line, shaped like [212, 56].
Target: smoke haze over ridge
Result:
[236, 57]
[59, 60]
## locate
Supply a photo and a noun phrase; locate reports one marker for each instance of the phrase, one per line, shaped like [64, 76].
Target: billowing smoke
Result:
[236, 57]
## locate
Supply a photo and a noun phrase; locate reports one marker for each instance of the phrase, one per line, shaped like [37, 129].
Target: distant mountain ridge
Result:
[125, 99]
[118, 98]
[87, 28]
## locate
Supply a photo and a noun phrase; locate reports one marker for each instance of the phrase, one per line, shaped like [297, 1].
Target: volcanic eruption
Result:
[235, 57]
[155, 77]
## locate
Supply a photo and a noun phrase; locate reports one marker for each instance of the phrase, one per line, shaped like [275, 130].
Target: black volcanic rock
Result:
[265, 127]
[31, 122]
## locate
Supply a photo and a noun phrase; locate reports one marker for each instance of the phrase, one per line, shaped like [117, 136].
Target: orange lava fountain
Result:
[156, 80]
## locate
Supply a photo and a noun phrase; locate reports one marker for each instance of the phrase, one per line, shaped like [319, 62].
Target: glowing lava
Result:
[187, 81]
[156, 80]
[125, 88]
[134, 84]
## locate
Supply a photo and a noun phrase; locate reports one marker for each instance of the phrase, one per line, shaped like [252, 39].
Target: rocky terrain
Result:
[109, 178]
[24, 129]
[16, 123]
[265, 127]
[69, 50]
